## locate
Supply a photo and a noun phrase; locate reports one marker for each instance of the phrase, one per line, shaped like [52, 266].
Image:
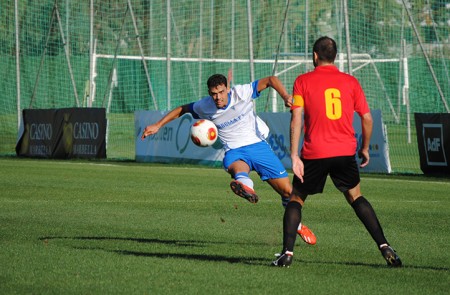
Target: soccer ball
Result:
[203, 133]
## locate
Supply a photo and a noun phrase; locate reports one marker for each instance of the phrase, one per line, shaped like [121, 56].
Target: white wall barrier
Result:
[172, 144]
[379, 145]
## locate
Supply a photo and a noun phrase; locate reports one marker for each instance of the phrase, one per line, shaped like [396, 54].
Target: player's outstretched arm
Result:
[229, 79]
[170, 116]
[275, 83]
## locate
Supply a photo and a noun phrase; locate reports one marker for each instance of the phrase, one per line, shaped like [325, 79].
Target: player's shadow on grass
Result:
[200, 257]
[381, 265]
[181, 243]
[185, 243]
[176, 243]
[211, 257]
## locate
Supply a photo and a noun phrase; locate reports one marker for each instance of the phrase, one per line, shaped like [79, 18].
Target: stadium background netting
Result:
[133, 55]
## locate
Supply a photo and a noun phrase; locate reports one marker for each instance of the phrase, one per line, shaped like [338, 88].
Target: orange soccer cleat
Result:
[307, 235]
[244, 191]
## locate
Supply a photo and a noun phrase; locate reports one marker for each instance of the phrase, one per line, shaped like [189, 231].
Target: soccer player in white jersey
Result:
[243, 135]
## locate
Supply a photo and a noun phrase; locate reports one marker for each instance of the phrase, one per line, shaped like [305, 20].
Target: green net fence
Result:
[133, 55]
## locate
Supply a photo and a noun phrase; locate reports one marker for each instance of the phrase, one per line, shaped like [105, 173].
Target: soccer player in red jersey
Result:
[328, 99]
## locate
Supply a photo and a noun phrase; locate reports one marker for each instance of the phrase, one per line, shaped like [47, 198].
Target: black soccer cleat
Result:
[283, 260]
[244, 191]
[391, 257]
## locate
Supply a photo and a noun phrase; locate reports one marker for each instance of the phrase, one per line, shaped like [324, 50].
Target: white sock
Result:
[244, 179]
[299, 226]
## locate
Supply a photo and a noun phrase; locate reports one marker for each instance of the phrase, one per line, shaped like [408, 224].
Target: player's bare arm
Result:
[366, 127]
[295, 129]
[275, 83]
[172, 115]
[229, 79]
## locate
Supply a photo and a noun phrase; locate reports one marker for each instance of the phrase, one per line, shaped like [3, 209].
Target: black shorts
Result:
[343, 172]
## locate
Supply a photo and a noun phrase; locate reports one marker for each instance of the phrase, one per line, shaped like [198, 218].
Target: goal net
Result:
[128, 55]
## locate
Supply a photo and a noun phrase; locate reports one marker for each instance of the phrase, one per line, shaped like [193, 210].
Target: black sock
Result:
[367, 215]
[291, 220]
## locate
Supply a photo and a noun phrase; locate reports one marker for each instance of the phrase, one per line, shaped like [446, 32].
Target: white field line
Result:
[407, 180]
[93, 164]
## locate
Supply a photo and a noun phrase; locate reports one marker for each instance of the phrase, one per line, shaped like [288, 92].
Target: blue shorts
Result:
[260, 158]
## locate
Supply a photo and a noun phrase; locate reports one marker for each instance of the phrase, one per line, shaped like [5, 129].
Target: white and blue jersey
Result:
[241, 131]
[237, 122]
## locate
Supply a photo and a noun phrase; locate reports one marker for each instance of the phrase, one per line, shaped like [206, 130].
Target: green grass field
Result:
[88, 227]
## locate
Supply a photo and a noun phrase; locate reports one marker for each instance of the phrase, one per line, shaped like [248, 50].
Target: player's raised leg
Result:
[239, 188]
[242, 185]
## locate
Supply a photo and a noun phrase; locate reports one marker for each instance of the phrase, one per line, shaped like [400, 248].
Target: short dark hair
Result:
[326, 49]
[216, 80]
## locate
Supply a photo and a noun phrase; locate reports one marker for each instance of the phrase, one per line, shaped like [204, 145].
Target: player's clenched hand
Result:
[149, 130]
[298, 167]
[287, 101]
[364, 155]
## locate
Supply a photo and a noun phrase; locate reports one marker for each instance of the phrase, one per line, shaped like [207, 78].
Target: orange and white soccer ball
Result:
[203, 133]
